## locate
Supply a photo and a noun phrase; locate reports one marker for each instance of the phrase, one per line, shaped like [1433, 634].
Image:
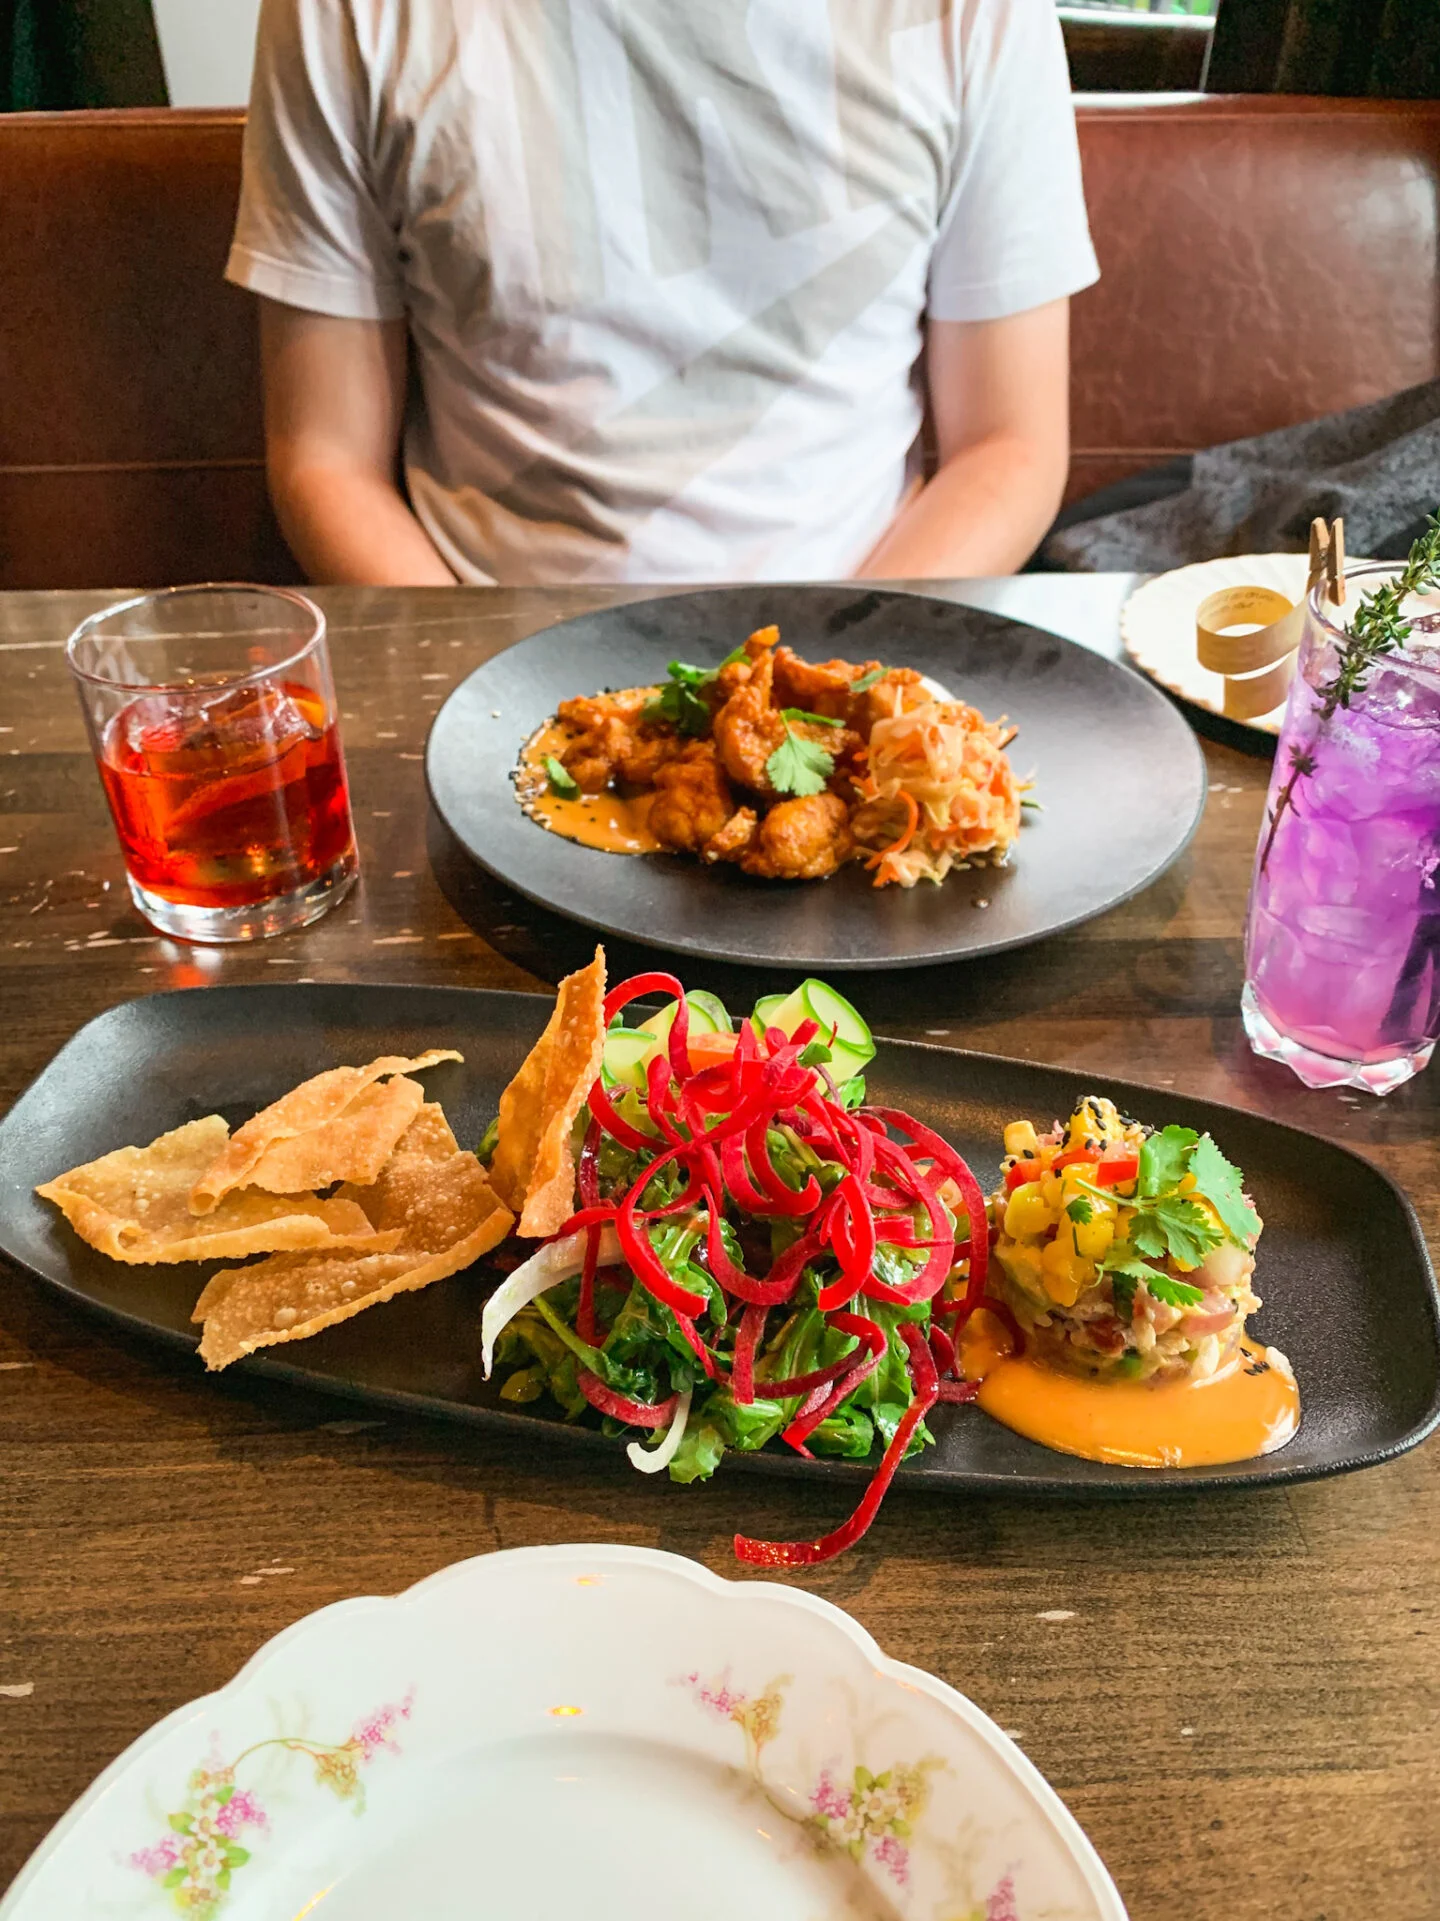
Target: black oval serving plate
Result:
[1347, 1284]
[1119, 774]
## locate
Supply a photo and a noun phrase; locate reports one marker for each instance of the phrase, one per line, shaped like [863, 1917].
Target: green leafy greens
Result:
[562, 781]
[800, 766]
[1170, 1224]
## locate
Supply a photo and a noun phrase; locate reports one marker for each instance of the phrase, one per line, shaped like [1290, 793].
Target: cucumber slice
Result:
[832, 1010]
[626, 1051]
[708, 1007]
[852, 1047]
[785, 1011]
[707, 1016]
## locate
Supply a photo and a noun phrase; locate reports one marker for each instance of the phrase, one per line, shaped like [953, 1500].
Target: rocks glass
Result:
[212, 715]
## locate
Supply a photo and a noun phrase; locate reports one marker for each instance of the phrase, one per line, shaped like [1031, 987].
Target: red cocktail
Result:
[214, 726]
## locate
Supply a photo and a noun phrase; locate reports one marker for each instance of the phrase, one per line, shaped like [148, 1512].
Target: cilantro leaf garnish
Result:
[1221, 1182]
[798, 766]
[1170, 1224]
[1165, 1159]
[1127, 1272]
[562, 782]
[815, 720]
[733, 658]
[814, 1054]
[1081, 1211]
[679, 702]
[1175, 1293]
[868, 680]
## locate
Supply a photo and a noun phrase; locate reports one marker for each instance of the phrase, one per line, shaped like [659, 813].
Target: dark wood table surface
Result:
[1238, 1696]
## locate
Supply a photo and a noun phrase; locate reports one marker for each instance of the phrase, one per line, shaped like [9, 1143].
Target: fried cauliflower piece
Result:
[748, 728]
[605, 726]
[801, 840]
[692, 799]
[735, 838]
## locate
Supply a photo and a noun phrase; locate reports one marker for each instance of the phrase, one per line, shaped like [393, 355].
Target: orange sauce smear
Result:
[1245, 1410]
[607, 821]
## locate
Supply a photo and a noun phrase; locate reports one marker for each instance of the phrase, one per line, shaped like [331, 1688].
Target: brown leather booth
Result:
[1265, 260]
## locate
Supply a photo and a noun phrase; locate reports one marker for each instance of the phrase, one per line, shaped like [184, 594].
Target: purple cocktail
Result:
[1342, 949]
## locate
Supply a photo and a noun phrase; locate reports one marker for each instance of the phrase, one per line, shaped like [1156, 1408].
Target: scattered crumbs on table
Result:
[462, 933]
[1013, 1734]
[95, 941]
[399, 940]
[11, 1367]
[434, 677]
[981, 902]
[1187, 1730]
[1056, 1614]
[377, 813]
[249, 1580]
[494, 713]
[403, 873]
[11, 850]
[380, 736]
[17, 1690]
[410, 757]
[937, 1031]
[507, 927]
[272, 960]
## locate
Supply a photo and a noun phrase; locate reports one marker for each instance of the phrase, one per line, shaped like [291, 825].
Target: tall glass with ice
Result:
[212, 715]
[1342, 948]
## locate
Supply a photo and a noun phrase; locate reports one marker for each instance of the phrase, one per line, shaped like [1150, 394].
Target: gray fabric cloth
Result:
[1377, 465]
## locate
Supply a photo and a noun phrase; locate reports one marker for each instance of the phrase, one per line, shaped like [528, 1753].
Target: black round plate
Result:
[1119, 776]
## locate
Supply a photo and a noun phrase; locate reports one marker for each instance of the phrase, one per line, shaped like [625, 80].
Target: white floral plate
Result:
[572, 1730]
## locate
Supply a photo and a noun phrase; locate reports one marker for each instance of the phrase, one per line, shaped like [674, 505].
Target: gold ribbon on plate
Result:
[1257, 667]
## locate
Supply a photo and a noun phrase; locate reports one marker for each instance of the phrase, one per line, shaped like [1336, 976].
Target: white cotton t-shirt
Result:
[665, 263]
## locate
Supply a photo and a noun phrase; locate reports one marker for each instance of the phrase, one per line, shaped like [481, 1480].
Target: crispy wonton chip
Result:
[435, 1196]
[134, 1206]
[352, 1147]
[533, 1167]
[316, 1104]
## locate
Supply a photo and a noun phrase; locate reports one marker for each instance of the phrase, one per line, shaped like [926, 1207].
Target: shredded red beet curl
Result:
[619, 1407]
[714, 1125]
[811, 1553]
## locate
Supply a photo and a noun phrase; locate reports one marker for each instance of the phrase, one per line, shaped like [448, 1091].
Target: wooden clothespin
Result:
[1335, 564]
[1327, 560]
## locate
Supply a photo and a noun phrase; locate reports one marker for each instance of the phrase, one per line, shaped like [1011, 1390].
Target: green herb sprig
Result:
[1378, 627]
[1168, 1223]
[799, 766]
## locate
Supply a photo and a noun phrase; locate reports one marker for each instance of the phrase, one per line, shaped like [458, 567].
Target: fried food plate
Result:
[1119, 778]
[500, 1740]
[1348, 1290]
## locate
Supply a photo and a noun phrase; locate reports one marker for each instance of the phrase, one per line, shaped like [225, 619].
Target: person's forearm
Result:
[983, 513]
[348, 527]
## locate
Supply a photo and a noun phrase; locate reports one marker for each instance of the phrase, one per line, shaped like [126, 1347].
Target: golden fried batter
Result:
[801, 840]
[734, 838]
[748, 729]
[692, 799]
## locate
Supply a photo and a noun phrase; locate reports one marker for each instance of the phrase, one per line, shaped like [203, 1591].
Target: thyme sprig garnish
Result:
[1378, 627]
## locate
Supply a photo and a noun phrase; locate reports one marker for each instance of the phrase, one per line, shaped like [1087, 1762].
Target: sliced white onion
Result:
[650, 1460]
[556, 1261]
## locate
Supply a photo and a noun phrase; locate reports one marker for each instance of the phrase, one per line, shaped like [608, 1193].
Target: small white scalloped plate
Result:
[553, 1731]
[1157, 624]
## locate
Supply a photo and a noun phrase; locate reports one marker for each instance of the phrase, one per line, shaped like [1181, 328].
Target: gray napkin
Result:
[1378, 465]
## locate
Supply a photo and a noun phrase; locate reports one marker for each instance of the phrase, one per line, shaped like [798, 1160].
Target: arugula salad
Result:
[753, 1250]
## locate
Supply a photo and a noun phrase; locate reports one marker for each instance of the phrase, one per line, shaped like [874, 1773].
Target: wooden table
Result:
[1239, 1696]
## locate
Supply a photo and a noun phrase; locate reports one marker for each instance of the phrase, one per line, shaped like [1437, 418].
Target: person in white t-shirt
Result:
[661, 290]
